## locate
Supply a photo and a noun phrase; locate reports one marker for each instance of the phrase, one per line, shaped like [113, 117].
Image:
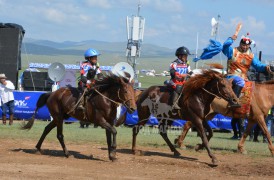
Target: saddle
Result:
[245, 98]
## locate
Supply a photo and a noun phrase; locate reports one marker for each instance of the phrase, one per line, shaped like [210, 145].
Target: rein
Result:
[107, 97]
[218, 97]
[118, 104]
[211, 93]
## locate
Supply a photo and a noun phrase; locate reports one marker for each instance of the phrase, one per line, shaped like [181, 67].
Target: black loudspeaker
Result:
[10, 50]
[35, 75]
[36, 81]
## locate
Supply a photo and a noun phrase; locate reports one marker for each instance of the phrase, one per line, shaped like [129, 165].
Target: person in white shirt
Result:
[7, 98]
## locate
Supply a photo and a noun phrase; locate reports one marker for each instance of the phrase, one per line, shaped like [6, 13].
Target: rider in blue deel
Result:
[239, 61]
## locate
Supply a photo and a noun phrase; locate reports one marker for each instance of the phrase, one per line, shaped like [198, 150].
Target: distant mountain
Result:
[45, 47]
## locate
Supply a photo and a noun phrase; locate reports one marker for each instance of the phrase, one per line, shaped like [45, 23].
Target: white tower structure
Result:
[135, 35]
[215, 27]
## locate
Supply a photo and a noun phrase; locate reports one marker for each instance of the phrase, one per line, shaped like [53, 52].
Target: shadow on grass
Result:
[56, 153]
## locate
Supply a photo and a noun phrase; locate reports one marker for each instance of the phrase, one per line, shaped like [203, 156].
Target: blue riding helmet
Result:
[91, 52]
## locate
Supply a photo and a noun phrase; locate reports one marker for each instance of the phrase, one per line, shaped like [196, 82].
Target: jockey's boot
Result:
[81, 103]
[237, 90]
[11, 119]
[175, 101]
[4, 118]
[174, 98]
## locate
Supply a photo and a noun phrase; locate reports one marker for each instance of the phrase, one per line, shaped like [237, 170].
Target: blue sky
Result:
[169, 23]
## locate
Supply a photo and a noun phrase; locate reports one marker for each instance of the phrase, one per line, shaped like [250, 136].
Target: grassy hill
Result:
[69, 52]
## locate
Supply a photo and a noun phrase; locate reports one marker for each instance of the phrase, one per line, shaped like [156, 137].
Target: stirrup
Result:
[80, 107]
[176, 107]
[234, 105]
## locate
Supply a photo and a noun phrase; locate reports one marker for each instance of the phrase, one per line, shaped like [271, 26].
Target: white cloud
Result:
[255, 25]
[167, 5]
[152, 32]
[54, 15]
[105, 4]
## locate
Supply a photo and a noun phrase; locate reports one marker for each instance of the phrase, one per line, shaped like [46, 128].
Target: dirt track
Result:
[19, 160]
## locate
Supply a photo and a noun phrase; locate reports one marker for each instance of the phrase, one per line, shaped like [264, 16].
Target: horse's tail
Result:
[40, 103]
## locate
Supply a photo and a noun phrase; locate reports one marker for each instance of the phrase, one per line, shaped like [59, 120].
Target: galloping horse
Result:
[198, 93]
[101, 108]
[262, 100]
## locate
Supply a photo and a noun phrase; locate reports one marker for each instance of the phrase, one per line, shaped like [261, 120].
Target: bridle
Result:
[123, 101]
[219, 92]
[115, 102]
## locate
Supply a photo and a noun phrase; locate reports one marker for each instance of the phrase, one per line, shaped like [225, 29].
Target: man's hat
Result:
[246, 39]
[3, 76]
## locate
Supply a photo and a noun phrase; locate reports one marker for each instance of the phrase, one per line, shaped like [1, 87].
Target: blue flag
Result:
[211, 50]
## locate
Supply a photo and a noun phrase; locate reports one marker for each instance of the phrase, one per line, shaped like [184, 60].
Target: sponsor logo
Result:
[27, 97]
[20, 103]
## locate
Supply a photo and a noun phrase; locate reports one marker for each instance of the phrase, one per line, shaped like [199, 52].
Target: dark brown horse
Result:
[262, 100]
[198, 94]
[101, 108]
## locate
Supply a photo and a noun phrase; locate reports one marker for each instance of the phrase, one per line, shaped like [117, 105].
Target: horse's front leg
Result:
[143, 113]
[60, 137]
[110, 132]
[248, 129]
[209, 136]
[264, 129]
[198, 124]
[47, 129]
[163, 127]
[179, 141]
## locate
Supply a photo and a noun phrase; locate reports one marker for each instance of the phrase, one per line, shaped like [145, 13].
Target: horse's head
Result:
[214, 83]
[126, 94]
[222, 87]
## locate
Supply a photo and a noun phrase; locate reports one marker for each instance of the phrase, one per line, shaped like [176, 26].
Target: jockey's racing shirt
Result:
[86, 66]
[181, 70]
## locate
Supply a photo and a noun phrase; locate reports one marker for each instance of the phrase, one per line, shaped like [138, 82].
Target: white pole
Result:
[197, 44]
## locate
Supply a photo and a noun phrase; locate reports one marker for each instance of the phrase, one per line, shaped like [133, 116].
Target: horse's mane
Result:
[107, 81]
[199, 81]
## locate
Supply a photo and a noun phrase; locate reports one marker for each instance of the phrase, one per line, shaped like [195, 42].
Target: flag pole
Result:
[197, 44]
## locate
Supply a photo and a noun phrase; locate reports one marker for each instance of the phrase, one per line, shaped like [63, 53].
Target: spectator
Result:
[83, 124]
[7, 98]
[237, 127]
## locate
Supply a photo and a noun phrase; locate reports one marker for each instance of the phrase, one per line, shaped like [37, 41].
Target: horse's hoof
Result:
[67, 155]
[113, 159]
[183, 147]
[198, 147]
[242, 152]
[112, 156]
[214, 163]
[176, 154]
[176, 141]
[176, 146]
[138, 152]
[39, 151]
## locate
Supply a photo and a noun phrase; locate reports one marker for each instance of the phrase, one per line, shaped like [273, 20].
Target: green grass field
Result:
[148, 137]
